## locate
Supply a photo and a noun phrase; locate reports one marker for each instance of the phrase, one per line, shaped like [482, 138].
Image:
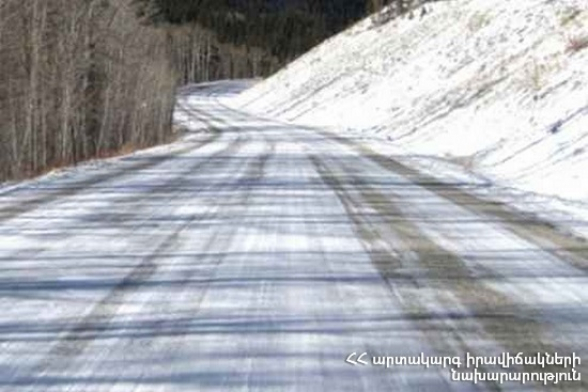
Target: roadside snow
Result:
[198, 132]
[496, 91]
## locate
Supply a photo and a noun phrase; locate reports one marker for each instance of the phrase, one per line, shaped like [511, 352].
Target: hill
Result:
[498, 88]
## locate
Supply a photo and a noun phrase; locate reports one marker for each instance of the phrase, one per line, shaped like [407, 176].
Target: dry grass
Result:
[478, 21]
[569, 15]
[577, 43]
[538, 72]
[536, 75]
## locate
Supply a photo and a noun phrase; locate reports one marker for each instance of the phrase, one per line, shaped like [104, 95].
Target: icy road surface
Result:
[258, 256]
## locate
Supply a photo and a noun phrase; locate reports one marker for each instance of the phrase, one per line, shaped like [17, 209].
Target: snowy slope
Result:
[499, 87]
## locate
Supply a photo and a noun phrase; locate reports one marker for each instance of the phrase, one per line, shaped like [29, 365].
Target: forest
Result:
[217, 39]
[81, 79]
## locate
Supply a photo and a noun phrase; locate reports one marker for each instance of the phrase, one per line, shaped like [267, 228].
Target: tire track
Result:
[73, 342]
[465, 307]
[231, 148]
[543, 234]
[97, 321]
[148, 162]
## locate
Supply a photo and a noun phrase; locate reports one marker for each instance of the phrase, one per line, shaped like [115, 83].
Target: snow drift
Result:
[499, 87]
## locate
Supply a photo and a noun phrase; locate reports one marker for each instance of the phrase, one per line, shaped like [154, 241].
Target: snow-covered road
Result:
[259, 256]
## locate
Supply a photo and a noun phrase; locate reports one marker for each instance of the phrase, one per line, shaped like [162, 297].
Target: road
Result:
[257, 255]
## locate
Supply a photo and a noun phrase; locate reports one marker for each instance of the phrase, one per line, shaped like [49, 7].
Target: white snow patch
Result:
[497, 90]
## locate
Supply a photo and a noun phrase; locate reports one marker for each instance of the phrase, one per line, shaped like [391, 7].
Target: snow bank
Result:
[500, 87]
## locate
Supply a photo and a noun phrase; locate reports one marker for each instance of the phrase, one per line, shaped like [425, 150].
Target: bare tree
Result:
[79, 79]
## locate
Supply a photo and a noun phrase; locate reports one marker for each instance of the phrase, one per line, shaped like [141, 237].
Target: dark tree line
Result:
[250, 38]
[246, 38]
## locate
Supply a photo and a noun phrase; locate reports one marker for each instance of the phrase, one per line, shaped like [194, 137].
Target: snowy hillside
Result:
[499, 87]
